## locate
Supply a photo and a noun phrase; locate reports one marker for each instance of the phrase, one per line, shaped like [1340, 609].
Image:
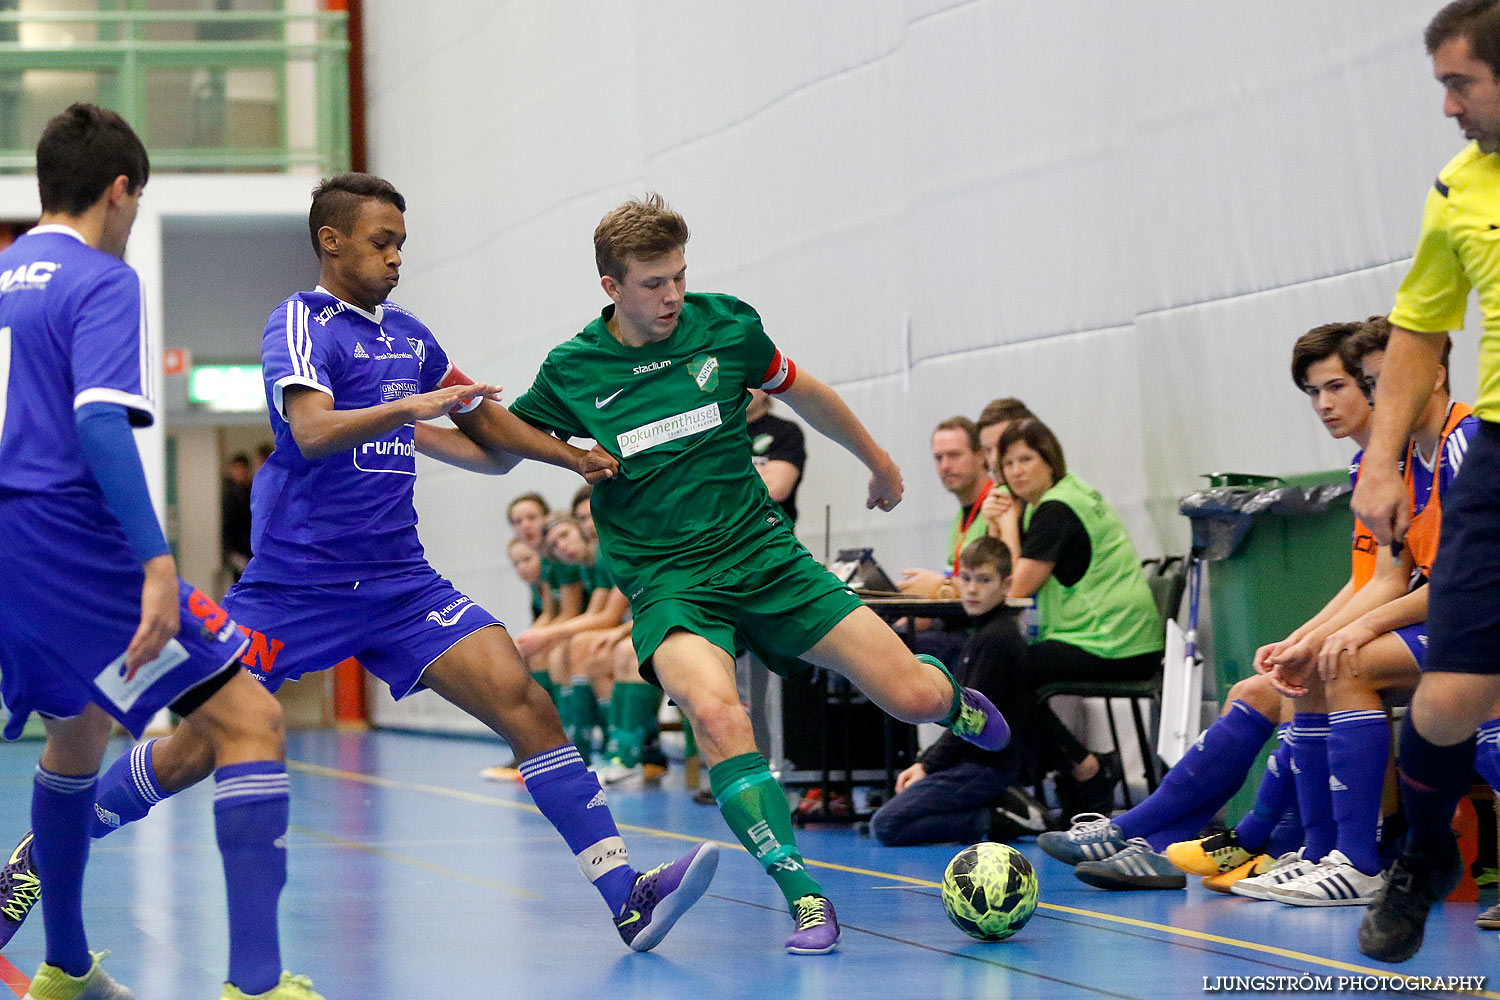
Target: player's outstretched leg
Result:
[972, 716]
[484, 675]
[863, 648]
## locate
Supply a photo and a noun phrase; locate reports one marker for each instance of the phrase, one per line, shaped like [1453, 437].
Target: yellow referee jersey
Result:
[1459, 249]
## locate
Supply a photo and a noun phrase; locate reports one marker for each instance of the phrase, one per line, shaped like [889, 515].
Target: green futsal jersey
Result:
[687, 501]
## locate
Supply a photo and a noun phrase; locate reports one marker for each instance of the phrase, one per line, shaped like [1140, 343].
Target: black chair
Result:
[1167, 578]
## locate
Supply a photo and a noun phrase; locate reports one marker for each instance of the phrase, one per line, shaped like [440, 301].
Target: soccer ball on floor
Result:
[989, 891]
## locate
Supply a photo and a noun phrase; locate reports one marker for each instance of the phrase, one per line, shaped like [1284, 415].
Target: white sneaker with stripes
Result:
[1286, 868]
[1333, 882]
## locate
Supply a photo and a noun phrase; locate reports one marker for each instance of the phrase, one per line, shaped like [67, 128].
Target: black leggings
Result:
[1052, 662]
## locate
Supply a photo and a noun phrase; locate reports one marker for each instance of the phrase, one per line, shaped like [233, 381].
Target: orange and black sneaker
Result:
[1224, 881]
[1213, 855]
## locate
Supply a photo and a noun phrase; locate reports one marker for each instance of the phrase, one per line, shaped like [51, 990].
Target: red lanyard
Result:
[963, 532]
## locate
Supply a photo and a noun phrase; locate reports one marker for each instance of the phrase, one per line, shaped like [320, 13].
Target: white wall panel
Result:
[1123, 214]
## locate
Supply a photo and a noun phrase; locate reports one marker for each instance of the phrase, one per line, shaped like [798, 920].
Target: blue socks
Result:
[60, 810]
[1277, 791]
[569, 795]
[1310, 770]
[1487, 754]
[251, 803]
[1433, 779]
[1359, 742]
[1202, 781]
[127, 791]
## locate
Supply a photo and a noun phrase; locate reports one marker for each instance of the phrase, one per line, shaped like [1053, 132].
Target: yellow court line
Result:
[367, 779]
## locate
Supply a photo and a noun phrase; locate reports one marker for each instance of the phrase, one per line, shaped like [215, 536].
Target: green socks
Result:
[958, 692]
[579, 710]
[544, 678]
[755, 808]
[634, 707]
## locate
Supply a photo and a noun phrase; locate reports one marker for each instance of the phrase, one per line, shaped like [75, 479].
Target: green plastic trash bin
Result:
[1277, 549]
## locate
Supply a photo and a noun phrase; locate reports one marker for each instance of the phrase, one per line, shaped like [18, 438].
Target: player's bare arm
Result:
[1295, 664]
[1341, 649]
[780, 477]
[496, 430]
[830, 416]
[453, 447]
[320, 430]
[1407, 377]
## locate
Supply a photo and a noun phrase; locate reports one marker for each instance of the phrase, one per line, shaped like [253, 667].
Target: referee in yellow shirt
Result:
[1459, 249]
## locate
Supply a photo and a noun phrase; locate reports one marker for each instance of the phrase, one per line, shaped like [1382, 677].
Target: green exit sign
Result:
[227, 388]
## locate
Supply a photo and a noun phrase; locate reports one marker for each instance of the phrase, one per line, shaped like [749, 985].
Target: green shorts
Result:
[779, 604]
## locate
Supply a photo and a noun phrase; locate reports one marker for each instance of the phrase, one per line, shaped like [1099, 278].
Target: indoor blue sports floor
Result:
[412, 877]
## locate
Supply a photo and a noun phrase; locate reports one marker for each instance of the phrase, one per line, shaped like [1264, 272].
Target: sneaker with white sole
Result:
[1092, 837]
[1286, 868]
[1333, 882]
[52, 983]
[615, 771]
[1136, 867]
[663, 894]
[816, 927]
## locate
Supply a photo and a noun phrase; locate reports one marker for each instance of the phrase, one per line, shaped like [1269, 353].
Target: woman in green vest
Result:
[1097, 617]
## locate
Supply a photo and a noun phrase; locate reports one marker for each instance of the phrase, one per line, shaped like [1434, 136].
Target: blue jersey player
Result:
[338, 570]
[94, 622]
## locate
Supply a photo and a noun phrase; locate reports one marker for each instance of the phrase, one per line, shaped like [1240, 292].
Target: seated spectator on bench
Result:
[1098, 619]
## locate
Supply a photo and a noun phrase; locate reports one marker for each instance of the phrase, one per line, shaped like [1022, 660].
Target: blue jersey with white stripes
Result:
[348, 516]
[72, 331]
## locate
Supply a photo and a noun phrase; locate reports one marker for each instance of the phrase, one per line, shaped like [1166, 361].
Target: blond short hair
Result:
[644, 228]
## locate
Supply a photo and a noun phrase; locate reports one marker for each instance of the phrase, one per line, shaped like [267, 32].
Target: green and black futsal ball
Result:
[989, 891]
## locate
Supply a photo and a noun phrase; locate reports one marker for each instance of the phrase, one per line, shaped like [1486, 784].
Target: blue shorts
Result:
[1463, 609]
[1415, 637]
[70, 602]
[395, 626]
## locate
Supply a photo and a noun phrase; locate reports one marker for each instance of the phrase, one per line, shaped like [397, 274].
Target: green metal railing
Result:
[171, 74]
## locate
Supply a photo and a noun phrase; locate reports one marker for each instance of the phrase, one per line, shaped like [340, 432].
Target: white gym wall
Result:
[1122, 213]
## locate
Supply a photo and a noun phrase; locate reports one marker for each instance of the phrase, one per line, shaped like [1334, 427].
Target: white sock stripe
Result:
[63, 783]
[1356, 715]
[1300, 733]
[528, 773]
[549, 761]
[140, 772]
[241, 778]
[241, 786]
[255, 781]
[248, 793]
[252, 787]
[567, 750]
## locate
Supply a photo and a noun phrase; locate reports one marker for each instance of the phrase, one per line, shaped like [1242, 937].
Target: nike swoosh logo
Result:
[634, 916]
[15, 856]
[600, 404]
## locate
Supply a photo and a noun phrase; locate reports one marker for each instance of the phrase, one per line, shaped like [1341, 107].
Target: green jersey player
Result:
[661, 381]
